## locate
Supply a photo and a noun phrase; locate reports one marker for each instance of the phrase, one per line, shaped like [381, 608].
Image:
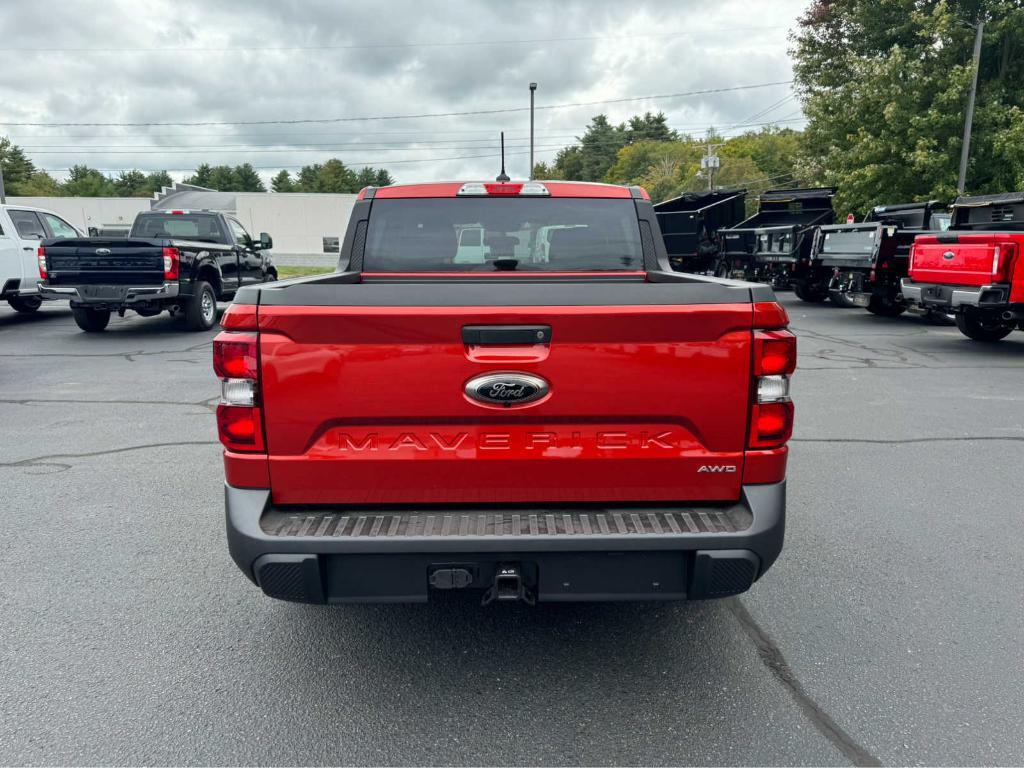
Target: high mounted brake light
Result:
[239, 418]
[172, 262]
[41, 256]
[771, 420]
[503, 189]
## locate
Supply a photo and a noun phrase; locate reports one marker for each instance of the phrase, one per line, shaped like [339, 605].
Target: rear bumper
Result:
[342, 555]
[110, 296]
[937, 295]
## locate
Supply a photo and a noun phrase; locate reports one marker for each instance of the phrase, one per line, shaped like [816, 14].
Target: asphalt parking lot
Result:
[890, 630]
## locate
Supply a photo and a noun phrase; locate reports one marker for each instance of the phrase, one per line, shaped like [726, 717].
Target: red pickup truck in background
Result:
[538, 410]
[976, 269]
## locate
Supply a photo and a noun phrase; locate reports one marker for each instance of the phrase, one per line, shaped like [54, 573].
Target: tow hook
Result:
[508, 587]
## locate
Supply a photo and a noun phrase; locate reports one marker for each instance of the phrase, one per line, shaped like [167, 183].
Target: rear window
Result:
[849, 242]
[186, 226]
[488, 234]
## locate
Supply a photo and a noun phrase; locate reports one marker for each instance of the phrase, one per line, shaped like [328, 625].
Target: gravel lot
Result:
[891, 629]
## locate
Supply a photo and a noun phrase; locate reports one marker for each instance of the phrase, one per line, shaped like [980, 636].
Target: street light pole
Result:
[533, 89]
[965, 151]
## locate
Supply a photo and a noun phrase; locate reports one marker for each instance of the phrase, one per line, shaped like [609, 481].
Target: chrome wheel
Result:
[208, 307]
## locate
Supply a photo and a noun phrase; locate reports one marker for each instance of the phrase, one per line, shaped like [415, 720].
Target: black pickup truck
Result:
[180, 261]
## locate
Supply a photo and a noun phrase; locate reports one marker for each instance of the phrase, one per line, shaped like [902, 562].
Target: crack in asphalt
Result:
[50, 460]
[207, 403]
[776, 663]
[129, 356]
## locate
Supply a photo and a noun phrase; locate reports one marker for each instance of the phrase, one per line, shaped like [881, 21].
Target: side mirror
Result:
[266, 241]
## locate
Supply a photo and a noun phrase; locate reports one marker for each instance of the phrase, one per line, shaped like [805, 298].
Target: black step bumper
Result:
[623, 553]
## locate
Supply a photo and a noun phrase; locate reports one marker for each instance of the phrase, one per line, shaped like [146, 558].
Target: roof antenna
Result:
[502, 176]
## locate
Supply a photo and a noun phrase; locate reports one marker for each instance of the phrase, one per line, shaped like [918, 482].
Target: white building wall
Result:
[85, 212]
[298, 222]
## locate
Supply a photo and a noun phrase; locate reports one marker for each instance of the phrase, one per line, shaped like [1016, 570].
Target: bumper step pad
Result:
[512, 524]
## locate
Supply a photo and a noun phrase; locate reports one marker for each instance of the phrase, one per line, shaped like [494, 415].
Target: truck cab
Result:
[975, 269]
[22, 229]
[581, 423]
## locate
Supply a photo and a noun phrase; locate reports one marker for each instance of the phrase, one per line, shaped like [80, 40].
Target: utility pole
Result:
[710, 162]
[533, 89]
[965, 152]
[3, 195]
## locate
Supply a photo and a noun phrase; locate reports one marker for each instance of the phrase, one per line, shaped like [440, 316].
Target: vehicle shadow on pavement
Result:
[15, 319]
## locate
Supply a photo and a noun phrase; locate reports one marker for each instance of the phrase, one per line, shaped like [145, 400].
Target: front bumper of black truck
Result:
[327, 555]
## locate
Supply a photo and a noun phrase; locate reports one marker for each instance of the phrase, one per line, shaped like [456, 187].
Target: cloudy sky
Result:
[282, 84]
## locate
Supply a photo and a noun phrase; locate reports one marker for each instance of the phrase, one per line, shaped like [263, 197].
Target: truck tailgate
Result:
[366, 404]
[967, 260]
[109, 262]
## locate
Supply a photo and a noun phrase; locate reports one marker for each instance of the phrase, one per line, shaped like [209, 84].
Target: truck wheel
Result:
[809, 293]
[885, 307]
[91, 320]
[974, 325]
[25, 304]
[201, 310]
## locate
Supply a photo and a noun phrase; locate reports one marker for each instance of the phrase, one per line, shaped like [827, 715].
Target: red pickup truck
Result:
[540, 410]
[976, 269]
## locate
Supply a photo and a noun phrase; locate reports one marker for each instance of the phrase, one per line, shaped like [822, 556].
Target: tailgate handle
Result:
[504, 335]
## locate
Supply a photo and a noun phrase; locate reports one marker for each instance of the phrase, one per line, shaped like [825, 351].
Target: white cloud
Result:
[630, 49]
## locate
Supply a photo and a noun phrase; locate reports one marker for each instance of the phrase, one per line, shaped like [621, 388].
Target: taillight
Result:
[172, 261]
[41, 256]
[771, 421]
[910, 262]
[239, 419]
[1005, 253]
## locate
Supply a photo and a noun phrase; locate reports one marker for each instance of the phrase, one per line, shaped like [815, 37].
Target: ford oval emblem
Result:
[102, 251]
[506, 389]
[948, 255]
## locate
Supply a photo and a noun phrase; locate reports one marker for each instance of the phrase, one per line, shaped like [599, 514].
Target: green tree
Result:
[202, 177]
[884, 85]
[39, 184]
[18, 169]
[130, 184]
[282, 182]
[247, 180]
[84, 181]
[157, 180]
[383, 178]
[222, 178]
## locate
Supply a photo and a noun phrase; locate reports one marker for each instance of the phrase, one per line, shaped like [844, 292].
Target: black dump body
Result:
[767, 245]
[886, 233]
[690, 224]
[863, 263]
[1003, 212]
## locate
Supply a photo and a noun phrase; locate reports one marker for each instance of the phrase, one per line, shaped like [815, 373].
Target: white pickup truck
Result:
[21, 230]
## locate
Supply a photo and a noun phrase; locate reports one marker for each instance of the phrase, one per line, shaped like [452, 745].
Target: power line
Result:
[370, 46]
[412, 116]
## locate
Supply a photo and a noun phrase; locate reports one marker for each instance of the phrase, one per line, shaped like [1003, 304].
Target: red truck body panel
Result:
[977, 258]
[363, 405]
